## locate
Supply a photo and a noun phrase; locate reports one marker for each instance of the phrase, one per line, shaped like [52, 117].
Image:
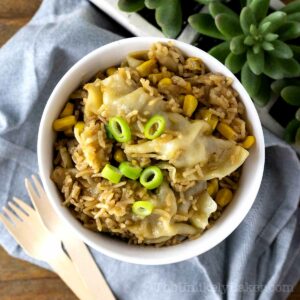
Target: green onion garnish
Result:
[120, 130]
[154, 127]
[111, 173]
[130, 171]
[151, 178]
[142, 208]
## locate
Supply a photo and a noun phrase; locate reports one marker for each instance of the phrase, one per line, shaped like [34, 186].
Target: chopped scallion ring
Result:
[151, 178]
[130, 171]
[142, 208]
[155, 127]
[120, 130]
[111, 173]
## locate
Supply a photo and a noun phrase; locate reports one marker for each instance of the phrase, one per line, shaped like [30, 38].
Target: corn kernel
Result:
[64, 123]
[110, 71]
[213, 122]
[146, 67]
[68, 110]
[248, 142]
[119, 156]
[78, 129]
[68, 132]
[205, 114]
[194, 63]
[227, 131]
[188, 87]
[190, 104]
[224, 196]
[213, 186]
[155, 78]
[164, 82]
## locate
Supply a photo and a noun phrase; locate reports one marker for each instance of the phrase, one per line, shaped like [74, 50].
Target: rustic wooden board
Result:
[20, 280]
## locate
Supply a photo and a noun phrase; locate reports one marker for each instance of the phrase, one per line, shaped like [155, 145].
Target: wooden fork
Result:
[76, 249]
[25, 225]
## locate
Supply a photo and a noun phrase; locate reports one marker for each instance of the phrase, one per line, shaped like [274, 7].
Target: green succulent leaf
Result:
[260, 8]
[250, 81]
[247, 18]
[249, 41]
[254, 30]
[205, 24]
[235, 62]
[267, 46]
[131, 5]
[153, 4]
[291, 94]
[290, 67]
[277, 19]
[278, 85]
[270, 37]
[264, 94]
[296, 51]
[220, 51]
[256, 48]
[264, 27]
[205, 2]
[256, 61]
[289, 31]
[292, 7]
[273, 67]
[169, 17]
[291, 130]
[294, 17]
[282, 50]
[215, 8]
[237, 45]
[297, 115]
[297, 137]
[228, 26]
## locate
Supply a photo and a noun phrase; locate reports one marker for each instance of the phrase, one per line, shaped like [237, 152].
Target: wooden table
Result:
[20, 280]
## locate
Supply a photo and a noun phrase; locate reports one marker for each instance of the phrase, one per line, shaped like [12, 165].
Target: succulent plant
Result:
[254, 43]
[168, 14]
[289, 90]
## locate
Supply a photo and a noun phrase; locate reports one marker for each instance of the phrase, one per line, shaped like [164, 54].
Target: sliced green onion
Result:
[108, 133]
[120, 130]
[155, 127]
[151, 178]
[130, 171]
[142, 208]
[111, 173]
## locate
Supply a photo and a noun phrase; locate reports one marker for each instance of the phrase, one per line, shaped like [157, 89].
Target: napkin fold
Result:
[259, 260]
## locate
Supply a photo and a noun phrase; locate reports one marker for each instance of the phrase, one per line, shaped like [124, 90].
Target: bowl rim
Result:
[167, 256]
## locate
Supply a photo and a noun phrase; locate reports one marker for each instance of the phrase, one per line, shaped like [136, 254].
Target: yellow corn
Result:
[64, 123]
[224, 196]
[227, 131]
[213, 186]
[68, 132]
[110, 71]
[189, 105]
[188, 87]
[78, 129]
[164, 82]
[211, 119]
[146, 67]
[155, 78]
[194, 63]
[119, 156]
[94, 99]
[68, 110]
[248, 142]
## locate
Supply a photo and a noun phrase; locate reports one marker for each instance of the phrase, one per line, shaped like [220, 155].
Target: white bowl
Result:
[113, 54]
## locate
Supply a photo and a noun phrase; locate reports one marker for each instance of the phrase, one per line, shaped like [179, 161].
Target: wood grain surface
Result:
[20, 280]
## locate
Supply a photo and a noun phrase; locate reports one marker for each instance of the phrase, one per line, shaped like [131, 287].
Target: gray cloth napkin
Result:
[260, 260]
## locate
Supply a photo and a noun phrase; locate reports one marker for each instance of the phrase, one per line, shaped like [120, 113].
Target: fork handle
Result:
[87, 268]
[63, 266]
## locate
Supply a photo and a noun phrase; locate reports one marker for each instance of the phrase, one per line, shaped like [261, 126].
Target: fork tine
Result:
[11, 216]
[19, 212]
[31, 192]
[6, 222]
[27, 208]
[38, 186]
